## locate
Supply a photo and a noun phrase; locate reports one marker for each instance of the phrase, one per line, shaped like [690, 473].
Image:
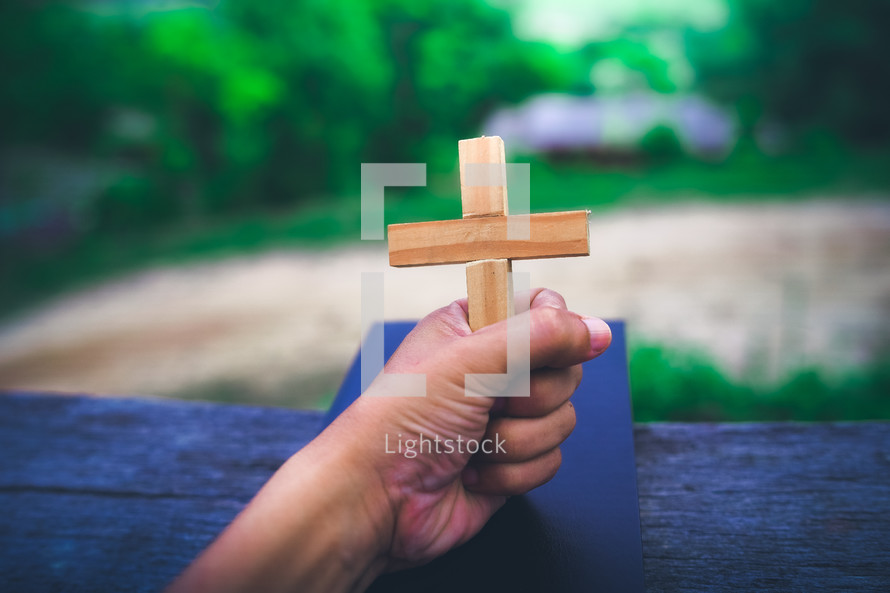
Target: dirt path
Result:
[762, 288]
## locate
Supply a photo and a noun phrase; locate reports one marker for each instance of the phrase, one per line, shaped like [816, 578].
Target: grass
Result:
[666, 385]
[670, 385]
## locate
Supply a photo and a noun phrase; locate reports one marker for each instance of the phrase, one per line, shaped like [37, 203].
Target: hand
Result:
[441, 500]
[347, 507]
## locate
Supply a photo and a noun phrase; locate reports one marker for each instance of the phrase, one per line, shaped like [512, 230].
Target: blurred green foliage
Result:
[686, 386]
[241, 127]
[812, 65]
[247, 106]
[256, 104]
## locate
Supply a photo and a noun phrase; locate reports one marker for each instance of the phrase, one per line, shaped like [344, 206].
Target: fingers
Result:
[526, 438]
[510, 479]
[558, 339]
[536, 297]
[550, 389]
[529, 454]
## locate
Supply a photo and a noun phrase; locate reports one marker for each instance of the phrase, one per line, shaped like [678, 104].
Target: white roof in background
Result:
[565, 122]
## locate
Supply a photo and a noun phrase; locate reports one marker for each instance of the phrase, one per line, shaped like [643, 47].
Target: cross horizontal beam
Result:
[557, 234]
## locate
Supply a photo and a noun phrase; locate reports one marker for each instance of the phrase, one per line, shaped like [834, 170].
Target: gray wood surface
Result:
[120, 494]
[765, 507]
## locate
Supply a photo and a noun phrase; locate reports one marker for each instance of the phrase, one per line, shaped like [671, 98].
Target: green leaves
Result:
[807, 64]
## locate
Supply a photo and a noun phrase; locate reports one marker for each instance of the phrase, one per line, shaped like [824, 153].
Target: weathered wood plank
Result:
[553, 234]
[765, 507]
[119, 495]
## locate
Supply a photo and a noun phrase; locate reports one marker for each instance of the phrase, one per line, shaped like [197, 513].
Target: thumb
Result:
[431, 337]
[558, 338]
[561, 338]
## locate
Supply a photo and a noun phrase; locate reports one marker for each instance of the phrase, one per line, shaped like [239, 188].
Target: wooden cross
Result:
[480, 238]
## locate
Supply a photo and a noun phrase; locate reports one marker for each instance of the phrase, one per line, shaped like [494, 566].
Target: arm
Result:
[343, 509]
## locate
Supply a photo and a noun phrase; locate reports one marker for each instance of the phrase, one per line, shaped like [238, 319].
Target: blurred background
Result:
[179, 188]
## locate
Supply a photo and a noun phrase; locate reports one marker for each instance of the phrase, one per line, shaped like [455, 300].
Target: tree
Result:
[805, 63]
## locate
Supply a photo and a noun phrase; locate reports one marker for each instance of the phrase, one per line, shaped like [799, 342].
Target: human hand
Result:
[440, 493]
[344, 509]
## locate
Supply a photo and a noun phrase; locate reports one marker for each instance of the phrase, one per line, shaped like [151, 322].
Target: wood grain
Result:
[489, 291]
[555, 234]
[489, 282]
[107, 494]
[103, 494]
[488, 200]
[765, 507]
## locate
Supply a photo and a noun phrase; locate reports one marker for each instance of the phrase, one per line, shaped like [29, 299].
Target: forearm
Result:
[317, 525]
[345, 508]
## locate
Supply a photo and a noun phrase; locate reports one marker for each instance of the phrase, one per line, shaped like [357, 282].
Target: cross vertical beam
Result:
[489, 283]
[481, 239]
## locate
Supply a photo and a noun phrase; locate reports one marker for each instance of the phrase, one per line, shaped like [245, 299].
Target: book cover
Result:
[580, 532]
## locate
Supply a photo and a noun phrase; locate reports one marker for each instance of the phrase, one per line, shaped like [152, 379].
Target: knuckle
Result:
[548, 316]
[555, 463]
[551, 296]
[553, 323]
[570, 420]
[576, 373]
[557, 460]
[513, 478]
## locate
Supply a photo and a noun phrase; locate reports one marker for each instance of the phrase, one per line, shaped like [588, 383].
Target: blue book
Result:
[578, 533]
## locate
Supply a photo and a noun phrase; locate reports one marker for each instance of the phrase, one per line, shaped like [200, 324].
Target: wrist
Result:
[323, 522]
[352, 473]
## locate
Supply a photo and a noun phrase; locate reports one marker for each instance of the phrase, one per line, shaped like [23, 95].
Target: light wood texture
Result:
[489, 292]
[554, 234]
[489, 282]
[482, 234]
[488, 200]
